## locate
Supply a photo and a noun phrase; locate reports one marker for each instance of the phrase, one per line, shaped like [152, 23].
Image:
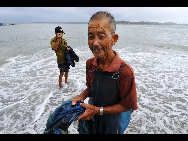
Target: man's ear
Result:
[114, 39]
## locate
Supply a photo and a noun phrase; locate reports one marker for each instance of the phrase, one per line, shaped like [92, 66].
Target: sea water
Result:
[29, 75]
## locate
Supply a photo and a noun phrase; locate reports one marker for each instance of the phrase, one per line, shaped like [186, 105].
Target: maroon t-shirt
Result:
[126, 81]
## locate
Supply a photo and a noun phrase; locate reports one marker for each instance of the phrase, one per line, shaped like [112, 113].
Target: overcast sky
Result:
[82, 14]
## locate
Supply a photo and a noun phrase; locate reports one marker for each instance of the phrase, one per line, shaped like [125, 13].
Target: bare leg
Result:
[60, 78]
[66, 76]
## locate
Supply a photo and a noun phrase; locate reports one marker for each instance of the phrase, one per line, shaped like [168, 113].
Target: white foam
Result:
[32, 94]
[29, 89]
[10, 61]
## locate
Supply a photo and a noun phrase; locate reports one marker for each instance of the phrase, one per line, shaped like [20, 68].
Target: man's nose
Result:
[96, 42]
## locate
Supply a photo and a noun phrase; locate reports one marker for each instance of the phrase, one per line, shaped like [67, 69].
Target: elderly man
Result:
[110, 82]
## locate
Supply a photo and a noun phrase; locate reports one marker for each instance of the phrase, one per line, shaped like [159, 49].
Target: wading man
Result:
[111, 86]
[59, 44]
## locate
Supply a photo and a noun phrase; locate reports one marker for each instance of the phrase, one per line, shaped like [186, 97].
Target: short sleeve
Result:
[127, 88]
[52, 42]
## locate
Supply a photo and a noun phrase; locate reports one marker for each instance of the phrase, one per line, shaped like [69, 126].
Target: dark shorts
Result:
[62, 68]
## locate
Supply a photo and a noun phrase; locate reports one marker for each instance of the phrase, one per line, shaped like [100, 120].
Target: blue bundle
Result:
[62, 117]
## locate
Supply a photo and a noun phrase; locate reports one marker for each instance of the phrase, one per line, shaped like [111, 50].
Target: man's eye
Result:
[101, 36]
[90, 37]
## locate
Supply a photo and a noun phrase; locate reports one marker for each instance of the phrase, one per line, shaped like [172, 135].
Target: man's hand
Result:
[78, 98]
[90, 111]
[57, 43]
[68, 48]
[81, 97]
[58, 40]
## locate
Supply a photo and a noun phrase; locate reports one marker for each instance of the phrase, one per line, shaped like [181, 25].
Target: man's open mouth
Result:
[98, 50]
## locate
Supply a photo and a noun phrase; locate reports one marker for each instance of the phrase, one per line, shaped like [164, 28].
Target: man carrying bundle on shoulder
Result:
[59, 45]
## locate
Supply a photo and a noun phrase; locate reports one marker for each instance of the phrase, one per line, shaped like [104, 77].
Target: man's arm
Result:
[56, 44]
[92, 110]
[82, 96]
[114, 109]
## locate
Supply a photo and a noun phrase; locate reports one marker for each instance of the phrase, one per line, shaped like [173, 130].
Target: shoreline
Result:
[146, 23]
[117, 22]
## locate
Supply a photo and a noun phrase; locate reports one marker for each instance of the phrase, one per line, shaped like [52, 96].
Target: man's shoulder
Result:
[89, 61]
[53, 39]
[63, 39]
[127, 71]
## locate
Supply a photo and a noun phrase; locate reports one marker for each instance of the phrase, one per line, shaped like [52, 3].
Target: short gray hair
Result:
[105, 15]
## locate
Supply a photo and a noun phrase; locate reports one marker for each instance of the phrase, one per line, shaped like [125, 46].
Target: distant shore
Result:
[122, 22]
[117, 22]
[146, 23]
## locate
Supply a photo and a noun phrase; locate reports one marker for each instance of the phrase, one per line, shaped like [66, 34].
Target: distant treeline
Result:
[146, 23]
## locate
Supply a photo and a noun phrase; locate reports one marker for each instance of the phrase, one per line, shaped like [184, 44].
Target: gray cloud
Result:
[82, 14]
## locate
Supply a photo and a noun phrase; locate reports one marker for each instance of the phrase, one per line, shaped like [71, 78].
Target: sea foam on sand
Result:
[29, 91]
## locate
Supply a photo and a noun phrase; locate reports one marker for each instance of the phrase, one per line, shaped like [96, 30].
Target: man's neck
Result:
[106, 60]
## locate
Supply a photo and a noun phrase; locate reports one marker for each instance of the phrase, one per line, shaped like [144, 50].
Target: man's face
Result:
[59, 35]
[100, 39]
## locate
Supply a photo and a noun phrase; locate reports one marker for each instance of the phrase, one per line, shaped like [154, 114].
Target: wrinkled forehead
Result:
[99, 25]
